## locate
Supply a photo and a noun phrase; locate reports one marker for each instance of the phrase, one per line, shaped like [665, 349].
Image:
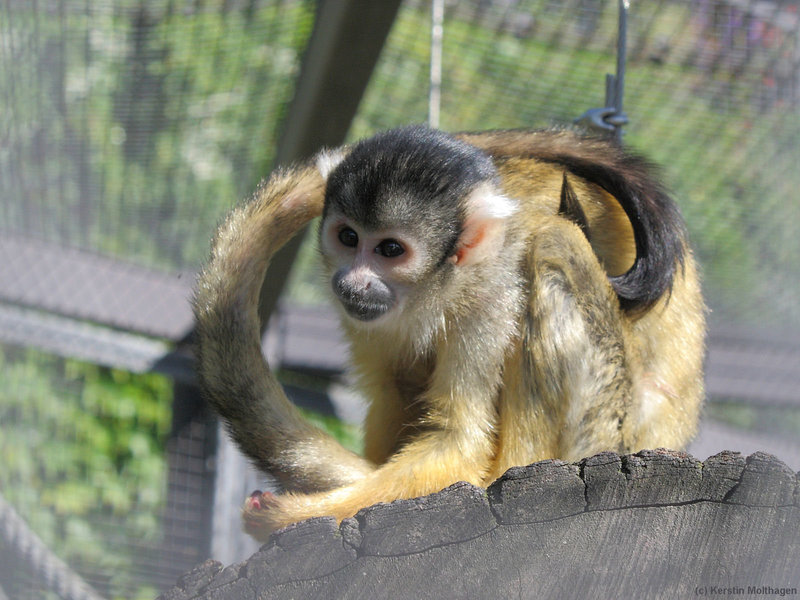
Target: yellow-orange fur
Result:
[429, 425]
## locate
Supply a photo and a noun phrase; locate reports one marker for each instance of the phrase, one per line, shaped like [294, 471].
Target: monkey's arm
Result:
[429, 463]
[232, 369]
[452, 440]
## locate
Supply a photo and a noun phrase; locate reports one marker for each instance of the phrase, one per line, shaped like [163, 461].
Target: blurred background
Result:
[128, 128]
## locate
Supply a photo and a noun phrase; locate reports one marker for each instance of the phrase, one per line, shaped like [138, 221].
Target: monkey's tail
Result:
[233, 373]
[658, 227]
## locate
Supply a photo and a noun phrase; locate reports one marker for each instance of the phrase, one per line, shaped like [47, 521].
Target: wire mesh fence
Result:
[712, 94]
[128, 128]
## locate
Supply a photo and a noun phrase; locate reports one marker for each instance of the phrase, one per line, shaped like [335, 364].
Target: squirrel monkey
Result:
[508, 297]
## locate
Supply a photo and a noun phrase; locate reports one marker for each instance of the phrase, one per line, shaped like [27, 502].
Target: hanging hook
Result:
[611, 118]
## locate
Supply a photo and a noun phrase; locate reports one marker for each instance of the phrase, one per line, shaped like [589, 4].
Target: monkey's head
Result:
[405, 211]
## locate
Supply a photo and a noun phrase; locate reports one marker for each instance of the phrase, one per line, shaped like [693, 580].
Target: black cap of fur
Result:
[412, 177]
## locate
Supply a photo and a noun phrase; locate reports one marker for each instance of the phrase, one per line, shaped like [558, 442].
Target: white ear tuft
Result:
[328, 160]
[487, 202]
[484, 227]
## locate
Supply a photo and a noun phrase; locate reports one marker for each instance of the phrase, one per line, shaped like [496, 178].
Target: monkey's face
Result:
[403, 211]
[372, 272]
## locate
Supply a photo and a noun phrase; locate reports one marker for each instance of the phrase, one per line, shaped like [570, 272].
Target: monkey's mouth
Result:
[365, 311]
[364, 302]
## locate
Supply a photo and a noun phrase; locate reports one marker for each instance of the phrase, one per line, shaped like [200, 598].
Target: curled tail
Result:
[658, 227]
[233, 373]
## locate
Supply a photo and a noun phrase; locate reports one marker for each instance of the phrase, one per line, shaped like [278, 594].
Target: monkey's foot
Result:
[254, 511]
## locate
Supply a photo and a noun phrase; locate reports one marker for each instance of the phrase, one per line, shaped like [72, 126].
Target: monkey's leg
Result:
[668, 390]
[234, 375]
[567, 387]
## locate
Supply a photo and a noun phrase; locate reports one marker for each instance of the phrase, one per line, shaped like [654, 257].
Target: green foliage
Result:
[157, 121]
[83, 462]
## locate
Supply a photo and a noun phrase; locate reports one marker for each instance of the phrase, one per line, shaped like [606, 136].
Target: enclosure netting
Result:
[129, 127]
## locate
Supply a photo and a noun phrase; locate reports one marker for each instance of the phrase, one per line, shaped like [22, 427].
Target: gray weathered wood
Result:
[657, 524]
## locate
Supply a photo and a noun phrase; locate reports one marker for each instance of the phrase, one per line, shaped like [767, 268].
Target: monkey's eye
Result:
[348, 237]
[390, 248]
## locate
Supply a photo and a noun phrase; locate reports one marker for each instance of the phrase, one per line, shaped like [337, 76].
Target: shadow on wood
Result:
[656, 524]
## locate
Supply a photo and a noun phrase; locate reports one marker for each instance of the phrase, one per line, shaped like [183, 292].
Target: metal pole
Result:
[610, 119]
[619, 83]
[435, 91]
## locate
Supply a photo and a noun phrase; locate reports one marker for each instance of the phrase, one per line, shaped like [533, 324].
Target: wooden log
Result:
[656, 524]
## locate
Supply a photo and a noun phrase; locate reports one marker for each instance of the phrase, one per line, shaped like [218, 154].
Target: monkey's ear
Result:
[484, 225]
[328, 160]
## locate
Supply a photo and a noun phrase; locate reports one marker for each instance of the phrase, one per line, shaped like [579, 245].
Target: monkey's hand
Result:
[256, 503]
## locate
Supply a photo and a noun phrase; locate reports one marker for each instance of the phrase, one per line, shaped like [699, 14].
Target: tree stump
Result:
[656, 524]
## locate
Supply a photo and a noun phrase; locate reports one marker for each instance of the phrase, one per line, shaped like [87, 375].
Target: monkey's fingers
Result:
[258, 500]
